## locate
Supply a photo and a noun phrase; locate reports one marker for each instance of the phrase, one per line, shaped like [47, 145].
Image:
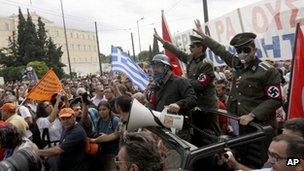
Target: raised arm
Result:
[216, 47]
[181, 55]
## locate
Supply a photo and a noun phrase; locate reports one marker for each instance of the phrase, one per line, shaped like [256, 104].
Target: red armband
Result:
[204, 79]
[274, 92]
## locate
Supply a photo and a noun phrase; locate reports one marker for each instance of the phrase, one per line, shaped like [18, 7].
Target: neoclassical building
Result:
[82, 43]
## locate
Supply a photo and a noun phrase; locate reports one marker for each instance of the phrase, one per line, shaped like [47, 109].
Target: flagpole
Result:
[38, 83]
[292, 67]
[98, 49]
[66, 39]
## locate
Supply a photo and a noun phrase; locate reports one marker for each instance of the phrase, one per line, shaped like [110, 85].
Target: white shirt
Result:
[55, 128]
[24, 111]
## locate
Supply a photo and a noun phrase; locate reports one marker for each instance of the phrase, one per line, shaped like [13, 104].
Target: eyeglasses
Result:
[275, 157]
[245, 49]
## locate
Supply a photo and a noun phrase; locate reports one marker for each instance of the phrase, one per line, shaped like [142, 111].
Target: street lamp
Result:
[138, 33]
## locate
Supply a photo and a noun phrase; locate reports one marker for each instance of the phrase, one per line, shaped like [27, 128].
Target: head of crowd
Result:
[83, 127]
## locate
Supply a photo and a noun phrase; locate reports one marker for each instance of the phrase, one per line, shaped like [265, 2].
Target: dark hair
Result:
[41, 112]
[142, 151]
[202, 45]
[124, 102]
[10, 137]
[296, 125]
[295, 145]
[106, 104]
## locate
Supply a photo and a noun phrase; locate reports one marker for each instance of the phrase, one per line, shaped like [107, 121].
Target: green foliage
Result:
[41, 40]
[144, 56]
[53, 56]
[31, 44]
[40, 67]
[105, 59]
[21, 41]
[12, 73]
[31, 40]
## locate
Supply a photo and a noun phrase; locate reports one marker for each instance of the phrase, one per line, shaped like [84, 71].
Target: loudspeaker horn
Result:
[141, 116]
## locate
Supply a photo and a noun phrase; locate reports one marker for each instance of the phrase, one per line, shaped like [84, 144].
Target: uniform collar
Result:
[255, 64]
[199, 59]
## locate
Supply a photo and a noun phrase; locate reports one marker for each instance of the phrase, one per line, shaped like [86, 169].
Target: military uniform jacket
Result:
[255, 89]
[176, 90]
[201, 75]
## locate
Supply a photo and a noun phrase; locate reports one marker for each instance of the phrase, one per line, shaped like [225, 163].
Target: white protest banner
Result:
[273, 21]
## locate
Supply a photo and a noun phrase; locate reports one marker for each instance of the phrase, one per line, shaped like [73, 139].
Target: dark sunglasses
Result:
[192, 46]
[246, 49]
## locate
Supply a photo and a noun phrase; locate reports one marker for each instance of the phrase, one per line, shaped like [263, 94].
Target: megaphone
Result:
[141, 116]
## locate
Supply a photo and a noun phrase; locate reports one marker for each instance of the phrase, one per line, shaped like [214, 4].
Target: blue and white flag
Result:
[121, 61]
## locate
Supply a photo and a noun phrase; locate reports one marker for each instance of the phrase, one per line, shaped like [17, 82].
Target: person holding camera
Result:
[48, 122]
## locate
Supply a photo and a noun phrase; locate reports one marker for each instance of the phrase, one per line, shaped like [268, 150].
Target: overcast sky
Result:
[117, 18]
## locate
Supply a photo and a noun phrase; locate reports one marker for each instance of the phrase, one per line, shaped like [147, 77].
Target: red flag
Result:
[296, 97]
[177, 70]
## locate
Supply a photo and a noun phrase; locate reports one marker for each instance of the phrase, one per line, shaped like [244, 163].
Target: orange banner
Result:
[46, 87]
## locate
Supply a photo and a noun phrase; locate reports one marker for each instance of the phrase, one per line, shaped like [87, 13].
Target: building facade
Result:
[82, 44]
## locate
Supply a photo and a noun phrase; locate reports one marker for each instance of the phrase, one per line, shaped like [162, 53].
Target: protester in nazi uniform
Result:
[201, 75]
[255, 91]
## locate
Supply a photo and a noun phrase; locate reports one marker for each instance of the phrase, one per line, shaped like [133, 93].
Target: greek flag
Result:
[121, 61]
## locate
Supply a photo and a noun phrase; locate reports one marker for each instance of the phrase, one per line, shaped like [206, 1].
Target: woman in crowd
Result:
[48, 122]
[105, 123]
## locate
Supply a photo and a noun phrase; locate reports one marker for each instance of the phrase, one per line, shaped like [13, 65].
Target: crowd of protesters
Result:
[83, 127]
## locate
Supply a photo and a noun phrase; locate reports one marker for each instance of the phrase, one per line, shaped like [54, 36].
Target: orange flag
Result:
[46, 87]
[296, 97]
[177, 70]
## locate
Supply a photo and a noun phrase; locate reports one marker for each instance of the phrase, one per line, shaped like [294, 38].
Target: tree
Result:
[40, 67]
[31, 40]
[21, 41]
[53, 56]
[105, 59]
[155, 49]
[9, 56]
[41, 40]
[144, 56]
[12, 73]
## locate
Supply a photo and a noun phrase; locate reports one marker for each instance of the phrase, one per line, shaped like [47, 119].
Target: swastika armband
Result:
[204, 79]
[273, 92]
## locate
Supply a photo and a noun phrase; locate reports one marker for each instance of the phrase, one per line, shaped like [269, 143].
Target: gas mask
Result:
[245, 54]
[159, 76]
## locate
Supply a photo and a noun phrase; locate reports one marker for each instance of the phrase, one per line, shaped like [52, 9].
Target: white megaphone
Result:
[140, 117]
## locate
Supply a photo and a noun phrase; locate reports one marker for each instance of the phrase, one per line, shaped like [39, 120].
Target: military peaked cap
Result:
[195, 39]
[242, 39]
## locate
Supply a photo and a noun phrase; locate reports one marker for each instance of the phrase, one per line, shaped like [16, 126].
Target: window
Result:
[72, 46]
[79, 48]
[57, 33]
[77, 36]
[79, 59]
[89, 48]
[71, 34]
[86, 60]
[7, 26]
[74, 59]
[84, 47]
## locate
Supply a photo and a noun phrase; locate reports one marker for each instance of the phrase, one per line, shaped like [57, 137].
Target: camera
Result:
[25, 159]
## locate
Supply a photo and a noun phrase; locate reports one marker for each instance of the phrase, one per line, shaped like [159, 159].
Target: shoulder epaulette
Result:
[265, 65]
[207, 60]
